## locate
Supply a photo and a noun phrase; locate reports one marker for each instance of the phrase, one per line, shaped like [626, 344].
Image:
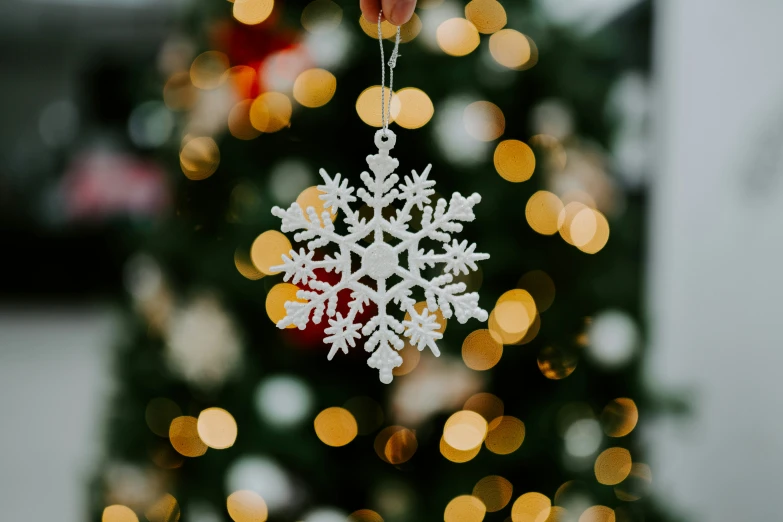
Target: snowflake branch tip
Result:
[385, 334]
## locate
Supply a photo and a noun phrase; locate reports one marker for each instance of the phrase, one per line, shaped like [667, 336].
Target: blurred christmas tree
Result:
[216, 409]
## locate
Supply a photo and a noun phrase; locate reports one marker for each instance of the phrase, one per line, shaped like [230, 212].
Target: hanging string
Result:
[386, 114]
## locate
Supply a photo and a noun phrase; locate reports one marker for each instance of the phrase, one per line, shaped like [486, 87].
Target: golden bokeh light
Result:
[245, 265]
[543, 212]
[636, 485]
[540, 286]
[165, 509]
[367, 412]
[416, 108]
[558, 514]
[484, 121]
[276, 299]
[557, 363]
[612, 466]
[217, 428]
[314, 87]
[267, 251]
[532, 332]
[271, 112]
[531, 507]
[183, 434]
[252, 12]
[514, 160]
[371, 28]
[335, 426]
[457, 37]
[498, 333]
[199, 158]
[512, 319]
[396, 445]
[165, 457]
[311, 197]
[368, 106]
[465, 430]
[465, 508]
[246, 506]
[208, 70]
[506, 435]
[619, 417]
[481, 350]
[410, 29]
[321, 16]
[242, 78]
[583, 227]
[410, 360]
[601, 236]
[239, 124]
[119, 513]
[488, 406]
[510, 48]
[494, 491]
[365, 515]
[455, 455]
[487, 15]
[597, 514]
[159, 414]
[179, 94]
[566, 218]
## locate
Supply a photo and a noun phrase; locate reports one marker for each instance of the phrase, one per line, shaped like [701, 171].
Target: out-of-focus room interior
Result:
[143, 145]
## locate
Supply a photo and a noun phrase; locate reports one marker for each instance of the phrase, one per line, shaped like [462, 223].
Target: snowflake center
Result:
[380, 261]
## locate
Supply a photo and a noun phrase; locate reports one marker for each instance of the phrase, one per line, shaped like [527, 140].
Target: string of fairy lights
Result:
[515, 319]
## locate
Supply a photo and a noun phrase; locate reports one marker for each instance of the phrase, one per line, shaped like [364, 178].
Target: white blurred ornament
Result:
[176, 54]
[586, 171]
[325, 514]
[583, 438]
[150, 124]
[203, 345]
[431, 20]
[329, 49]
[585, 17]
[209, 115]
[280, 70]
[283, 400]
[288, 179]
[451, 136]
[613, 338]
[629, 106]
[265, 477]
[554, 118]
[58, 123]
[203, 512]
[438, 384]
[132, 486]
[145, 283]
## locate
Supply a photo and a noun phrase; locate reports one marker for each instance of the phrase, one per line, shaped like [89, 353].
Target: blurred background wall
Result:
[714, 256]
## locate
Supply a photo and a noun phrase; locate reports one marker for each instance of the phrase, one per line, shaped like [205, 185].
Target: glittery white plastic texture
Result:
[380, 261]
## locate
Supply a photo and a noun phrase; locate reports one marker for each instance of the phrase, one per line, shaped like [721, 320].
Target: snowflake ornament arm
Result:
[380, 261]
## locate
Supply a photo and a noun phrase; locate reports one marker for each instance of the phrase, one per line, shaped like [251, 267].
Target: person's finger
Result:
[370, 10]
[398, 12]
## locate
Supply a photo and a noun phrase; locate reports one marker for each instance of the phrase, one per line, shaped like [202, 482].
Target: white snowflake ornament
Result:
[380, 261]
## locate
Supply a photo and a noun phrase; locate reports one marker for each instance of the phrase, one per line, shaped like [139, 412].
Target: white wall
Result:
[54, 386]
[716, 284]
